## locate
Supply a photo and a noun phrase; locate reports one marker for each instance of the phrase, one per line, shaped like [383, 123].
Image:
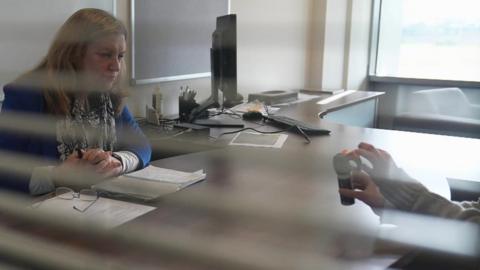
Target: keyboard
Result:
[305, 127]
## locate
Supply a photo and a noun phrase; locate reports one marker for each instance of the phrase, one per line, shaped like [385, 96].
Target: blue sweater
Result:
[22, 99]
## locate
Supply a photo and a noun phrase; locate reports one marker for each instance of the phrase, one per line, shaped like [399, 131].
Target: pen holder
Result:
[185, 107]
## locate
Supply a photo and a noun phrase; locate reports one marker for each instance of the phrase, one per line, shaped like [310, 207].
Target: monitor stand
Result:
[229, 103]
[199, 116]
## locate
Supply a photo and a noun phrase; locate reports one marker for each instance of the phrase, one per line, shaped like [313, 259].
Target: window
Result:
[428, 39]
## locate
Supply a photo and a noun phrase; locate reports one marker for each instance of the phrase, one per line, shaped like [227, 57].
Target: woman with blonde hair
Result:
[78, 83]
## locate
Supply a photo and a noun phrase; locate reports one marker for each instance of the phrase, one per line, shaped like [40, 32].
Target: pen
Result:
[79, 153]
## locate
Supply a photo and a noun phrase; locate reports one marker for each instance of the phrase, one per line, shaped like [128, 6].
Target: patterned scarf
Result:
[90, 125]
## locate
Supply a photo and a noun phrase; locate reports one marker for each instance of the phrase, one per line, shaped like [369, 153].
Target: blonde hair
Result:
[60, 72]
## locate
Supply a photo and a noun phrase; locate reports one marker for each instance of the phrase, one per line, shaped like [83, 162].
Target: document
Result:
[254, 139]
[148, 184]
[157, 174]
[104, 212]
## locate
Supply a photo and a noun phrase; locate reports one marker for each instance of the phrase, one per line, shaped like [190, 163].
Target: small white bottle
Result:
[158, 101]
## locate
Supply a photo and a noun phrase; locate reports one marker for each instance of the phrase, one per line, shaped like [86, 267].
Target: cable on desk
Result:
[304, 135]
[184, 131]
[266, 109]
[227, 112]
[252, 129]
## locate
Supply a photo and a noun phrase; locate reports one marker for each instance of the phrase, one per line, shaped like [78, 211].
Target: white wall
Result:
[272, 44]
[335, 45]
[283, 44]
[28, 27]
[340, 44]
[359, 45]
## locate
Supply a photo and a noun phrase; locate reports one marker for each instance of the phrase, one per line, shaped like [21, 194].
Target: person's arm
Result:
[387, 186]
[415, 198]
[411, 197]
[41, 181]
[132, 140]
[432, 204]
[130, 161]
[17, 100]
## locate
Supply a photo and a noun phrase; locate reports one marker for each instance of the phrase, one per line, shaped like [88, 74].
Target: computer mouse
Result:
[252, 116]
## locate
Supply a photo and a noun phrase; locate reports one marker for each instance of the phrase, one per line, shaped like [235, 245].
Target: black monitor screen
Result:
[224, 59]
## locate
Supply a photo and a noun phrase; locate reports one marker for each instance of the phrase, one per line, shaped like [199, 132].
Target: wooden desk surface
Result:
[308, 111]
[421, 155]
[345, 101]
[301, 174]
[297, 179]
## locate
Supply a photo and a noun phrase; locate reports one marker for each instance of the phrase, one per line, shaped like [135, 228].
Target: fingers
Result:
[88, 153]
[102, 156]
[347, 193]
[114, 169]
[91, 153]
[107, 164]
[73, 157]
[372, 149]
[78, 153]
[95, 156]
[352, 194]
[113, 172]
[361, 180]
[110, 167]
[384, 154]
[351, 154]
[367, 147]
[101, 166]
[369, 155]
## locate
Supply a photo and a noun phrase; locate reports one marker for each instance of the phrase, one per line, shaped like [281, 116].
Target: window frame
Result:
[372, 69]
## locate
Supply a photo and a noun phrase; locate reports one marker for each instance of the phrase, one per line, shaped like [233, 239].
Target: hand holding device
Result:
[344, 166]
[365, 190]
[383, 167]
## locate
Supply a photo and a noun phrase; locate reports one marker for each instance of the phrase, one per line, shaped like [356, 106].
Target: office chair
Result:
[444, 111]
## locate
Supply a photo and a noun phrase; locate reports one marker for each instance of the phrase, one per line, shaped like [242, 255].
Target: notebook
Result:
[148, 184]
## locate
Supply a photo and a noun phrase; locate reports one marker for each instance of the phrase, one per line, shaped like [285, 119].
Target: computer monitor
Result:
[223, 57]
[224, 60]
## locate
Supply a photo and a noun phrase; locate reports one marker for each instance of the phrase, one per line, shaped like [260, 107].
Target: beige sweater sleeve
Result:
[432, 204]
[407, 194]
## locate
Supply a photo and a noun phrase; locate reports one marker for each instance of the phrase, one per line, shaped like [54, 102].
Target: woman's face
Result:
[103, 62]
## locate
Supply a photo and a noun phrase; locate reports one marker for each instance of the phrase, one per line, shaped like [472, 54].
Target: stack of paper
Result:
[104, 212]
[157, 174]
[149, 183]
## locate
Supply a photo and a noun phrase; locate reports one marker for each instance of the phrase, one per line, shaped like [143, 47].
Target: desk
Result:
[303, 173]
[358, 109]
[299, 177]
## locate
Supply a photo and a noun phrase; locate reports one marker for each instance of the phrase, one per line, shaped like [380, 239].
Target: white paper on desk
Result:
[105, 212]
[153, 173]
[254, 139]
[148, 184]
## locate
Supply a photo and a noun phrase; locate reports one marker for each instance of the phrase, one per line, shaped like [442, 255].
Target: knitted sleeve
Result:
[407, 194]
